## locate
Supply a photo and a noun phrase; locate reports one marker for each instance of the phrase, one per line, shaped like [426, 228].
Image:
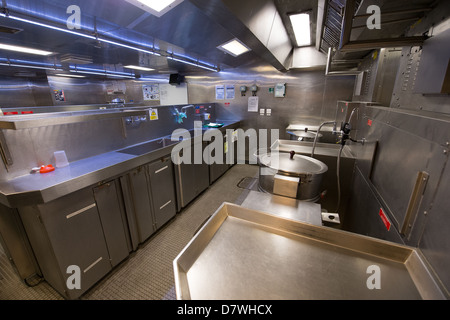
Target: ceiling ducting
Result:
[186, 38]
[346, 38]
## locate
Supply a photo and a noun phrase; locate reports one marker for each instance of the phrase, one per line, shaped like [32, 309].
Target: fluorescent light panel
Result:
[234, 47]
[9, 47]
[157, 5]
[302, 30]
[139, 68]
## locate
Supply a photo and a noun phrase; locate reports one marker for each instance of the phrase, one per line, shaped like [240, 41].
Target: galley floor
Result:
[147, 274]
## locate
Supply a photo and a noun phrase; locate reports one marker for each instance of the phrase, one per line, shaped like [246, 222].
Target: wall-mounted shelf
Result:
[58, 118]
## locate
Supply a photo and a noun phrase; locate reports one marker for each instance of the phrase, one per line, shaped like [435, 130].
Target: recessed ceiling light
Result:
[302, 30]
[24, 49]
[139, 68]
[156, 7]
[234, 47]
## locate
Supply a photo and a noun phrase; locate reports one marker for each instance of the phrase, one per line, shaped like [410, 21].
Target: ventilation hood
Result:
[185, 39]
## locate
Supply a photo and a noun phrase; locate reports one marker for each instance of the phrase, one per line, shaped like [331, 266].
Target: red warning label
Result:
[385, 219]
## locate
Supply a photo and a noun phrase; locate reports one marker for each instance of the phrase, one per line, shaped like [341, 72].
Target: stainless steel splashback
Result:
[33, 147]
[21, 91]
[310, 96]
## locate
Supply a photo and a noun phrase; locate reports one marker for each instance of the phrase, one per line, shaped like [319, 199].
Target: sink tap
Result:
[187, 107]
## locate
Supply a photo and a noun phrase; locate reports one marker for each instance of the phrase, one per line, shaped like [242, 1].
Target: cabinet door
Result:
[216, 170]
[141, 203]
[75, 237]
[111, 216]
[163, 190]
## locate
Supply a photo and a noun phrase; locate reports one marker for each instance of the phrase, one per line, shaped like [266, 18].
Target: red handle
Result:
[46, 169]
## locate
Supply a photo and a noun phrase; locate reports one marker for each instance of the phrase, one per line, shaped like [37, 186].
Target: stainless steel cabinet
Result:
[162, 190]
[112, 217]
[68, 232]
[149, 196]
[191, 180]
[216, 170]
[138, 205]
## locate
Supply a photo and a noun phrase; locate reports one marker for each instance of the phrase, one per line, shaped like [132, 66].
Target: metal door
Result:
[141, 207]
[162, 190]
[110, 211]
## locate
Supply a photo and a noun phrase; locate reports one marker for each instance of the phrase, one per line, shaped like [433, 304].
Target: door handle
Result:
[162, 169]
[414, 202]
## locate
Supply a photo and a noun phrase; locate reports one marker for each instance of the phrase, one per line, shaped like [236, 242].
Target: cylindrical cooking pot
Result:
[304, 135]
[291, 175]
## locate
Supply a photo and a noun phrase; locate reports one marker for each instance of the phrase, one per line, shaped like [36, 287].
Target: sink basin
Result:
[148, 147]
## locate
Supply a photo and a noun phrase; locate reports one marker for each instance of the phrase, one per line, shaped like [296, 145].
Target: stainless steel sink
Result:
[148, 147]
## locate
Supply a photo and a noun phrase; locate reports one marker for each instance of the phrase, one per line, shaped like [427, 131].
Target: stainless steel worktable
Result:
[38, 188]
[247, 254]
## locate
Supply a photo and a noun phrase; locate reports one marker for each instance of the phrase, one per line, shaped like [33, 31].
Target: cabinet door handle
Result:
[73, 214]
[162, 169]
[165, 205]
[92, 264]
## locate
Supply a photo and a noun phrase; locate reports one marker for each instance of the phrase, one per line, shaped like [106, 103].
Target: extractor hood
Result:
[185, 39]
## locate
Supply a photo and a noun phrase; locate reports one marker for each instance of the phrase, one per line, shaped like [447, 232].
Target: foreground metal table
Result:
[246, 254]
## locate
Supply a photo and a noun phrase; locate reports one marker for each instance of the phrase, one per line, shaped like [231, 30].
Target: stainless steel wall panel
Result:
[22, 151]
[16, 92]
[78, 91]
[310, 96]
[408, 142]
[404, 95]
[363, 213]
[398, 160]
[428, 125]
[435, 242]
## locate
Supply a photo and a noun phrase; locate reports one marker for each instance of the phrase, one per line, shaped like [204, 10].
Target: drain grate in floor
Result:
[248, 183]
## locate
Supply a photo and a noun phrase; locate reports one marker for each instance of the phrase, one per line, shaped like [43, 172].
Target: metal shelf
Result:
[59, 118]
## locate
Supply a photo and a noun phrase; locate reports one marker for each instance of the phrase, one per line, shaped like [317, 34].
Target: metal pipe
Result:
[318, 131]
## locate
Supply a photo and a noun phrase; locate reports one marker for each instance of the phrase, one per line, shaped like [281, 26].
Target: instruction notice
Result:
[220, 92]
[253, 104]
[230, 92]
[151, 92]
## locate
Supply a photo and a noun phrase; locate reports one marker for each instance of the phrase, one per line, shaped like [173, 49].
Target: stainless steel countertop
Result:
[39, 188]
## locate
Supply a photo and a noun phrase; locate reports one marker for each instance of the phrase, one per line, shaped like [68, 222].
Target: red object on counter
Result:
[46, 169]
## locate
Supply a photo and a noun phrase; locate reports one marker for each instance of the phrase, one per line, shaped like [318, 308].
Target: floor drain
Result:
[248, 183]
